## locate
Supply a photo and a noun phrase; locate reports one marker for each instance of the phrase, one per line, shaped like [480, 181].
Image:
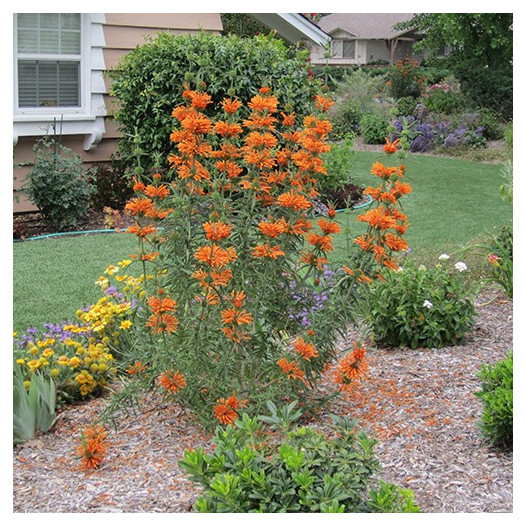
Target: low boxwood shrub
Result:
[420, 307]
[299, 471]
[496, 393]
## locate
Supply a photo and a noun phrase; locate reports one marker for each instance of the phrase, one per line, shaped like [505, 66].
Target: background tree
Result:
[481, 53]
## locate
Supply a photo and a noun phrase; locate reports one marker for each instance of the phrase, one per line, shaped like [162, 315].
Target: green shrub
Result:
[405, 79]
[33, 404]
[493, 127]
[420, 307]
[444, 101]
[112, 187]
[148, 83]
[339, 162]
[496, 394]
[374, 128]
[406, 106]
[345, 118]
[58, 185]
[301, 471]
[508, 135]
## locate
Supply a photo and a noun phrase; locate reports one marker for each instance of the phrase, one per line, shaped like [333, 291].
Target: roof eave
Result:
[293, 27]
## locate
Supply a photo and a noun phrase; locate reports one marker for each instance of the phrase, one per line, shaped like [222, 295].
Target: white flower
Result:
[443, 256]
[460, 266]
[422, 267]
[427, 304]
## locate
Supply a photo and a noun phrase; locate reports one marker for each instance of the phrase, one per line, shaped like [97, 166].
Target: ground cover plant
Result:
[285, 468]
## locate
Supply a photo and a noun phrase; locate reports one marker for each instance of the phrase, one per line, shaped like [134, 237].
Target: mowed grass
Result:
[54, 277]
[453, 202]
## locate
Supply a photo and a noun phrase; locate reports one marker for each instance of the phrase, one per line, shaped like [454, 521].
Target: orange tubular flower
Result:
[267, 251]
[227, 129]
[382, 171]
[160, 323]
[233, 316]
[260, 103]
[136, 368]
[329, 227]
[162, 305]
[173, 382]
[378, 218]
[351, 368]
[141, 231]
[272, 229]
[216, 231]
[293, 200]
[93, 447]
[322, 242]
[288, 120]
[395, 242]
[215, 256]
[231, 106]
[323, 103]
[291, 369]
[391, 147]
[139, 206]
[304, 349]
[160, 191]
[224, 413]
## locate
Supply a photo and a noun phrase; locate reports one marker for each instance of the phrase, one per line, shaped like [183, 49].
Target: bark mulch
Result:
[419, 403]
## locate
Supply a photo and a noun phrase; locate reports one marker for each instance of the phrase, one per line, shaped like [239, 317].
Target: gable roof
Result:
[365, 25]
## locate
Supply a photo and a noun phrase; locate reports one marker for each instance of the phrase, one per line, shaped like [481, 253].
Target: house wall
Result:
[122, 33]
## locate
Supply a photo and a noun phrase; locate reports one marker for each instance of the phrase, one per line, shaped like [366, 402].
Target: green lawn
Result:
[453, 202]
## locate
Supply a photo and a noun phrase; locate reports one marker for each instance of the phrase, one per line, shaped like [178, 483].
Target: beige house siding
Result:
[122, 32]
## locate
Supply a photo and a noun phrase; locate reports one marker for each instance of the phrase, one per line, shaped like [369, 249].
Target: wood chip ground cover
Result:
[419, 403]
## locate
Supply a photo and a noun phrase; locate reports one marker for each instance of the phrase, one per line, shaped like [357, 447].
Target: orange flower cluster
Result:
[162, 319]
[136, 368]
[292, 370]
[92, 448]
[235, 316]
[173, 382]
[387, 223]
[305, 349]
[226, 409]
[351, 369]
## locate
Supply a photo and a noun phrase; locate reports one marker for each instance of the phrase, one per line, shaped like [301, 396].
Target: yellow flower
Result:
[55, 373]
[112, 269]
[124, 263]
[48, 352]
[20, 361]
[126, 324]
[34, 351]
[63, 360]
[75, 362]
[102, 282]
[27, 383]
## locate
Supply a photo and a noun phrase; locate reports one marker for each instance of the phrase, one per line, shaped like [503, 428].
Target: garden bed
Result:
[419, 403]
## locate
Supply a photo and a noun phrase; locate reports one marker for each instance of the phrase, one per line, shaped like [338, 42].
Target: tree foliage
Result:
[481, 52]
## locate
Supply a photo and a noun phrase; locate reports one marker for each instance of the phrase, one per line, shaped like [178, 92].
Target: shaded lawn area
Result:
[453, 202]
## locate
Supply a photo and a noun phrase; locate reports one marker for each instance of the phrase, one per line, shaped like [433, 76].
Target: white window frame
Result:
[337, 48]
[88, 118]
[49, 112]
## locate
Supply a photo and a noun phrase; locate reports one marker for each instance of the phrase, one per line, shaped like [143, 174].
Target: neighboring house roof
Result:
[293, 27]
[365, 25]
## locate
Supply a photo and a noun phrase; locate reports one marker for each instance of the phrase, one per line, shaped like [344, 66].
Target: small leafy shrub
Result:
[508, 135]
[492, 123]
[345, 118]
[406, 106]
[58, 184]
[496, 393]
[420, 307]
[339, 162]
[405, 79]
[112, 187]
[441, 98]
[33, 404]
[301, 471]
[374, 128]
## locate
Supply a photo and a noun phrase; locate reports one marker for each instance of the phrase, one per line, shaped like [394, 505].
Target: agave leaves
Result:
[33, 408]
